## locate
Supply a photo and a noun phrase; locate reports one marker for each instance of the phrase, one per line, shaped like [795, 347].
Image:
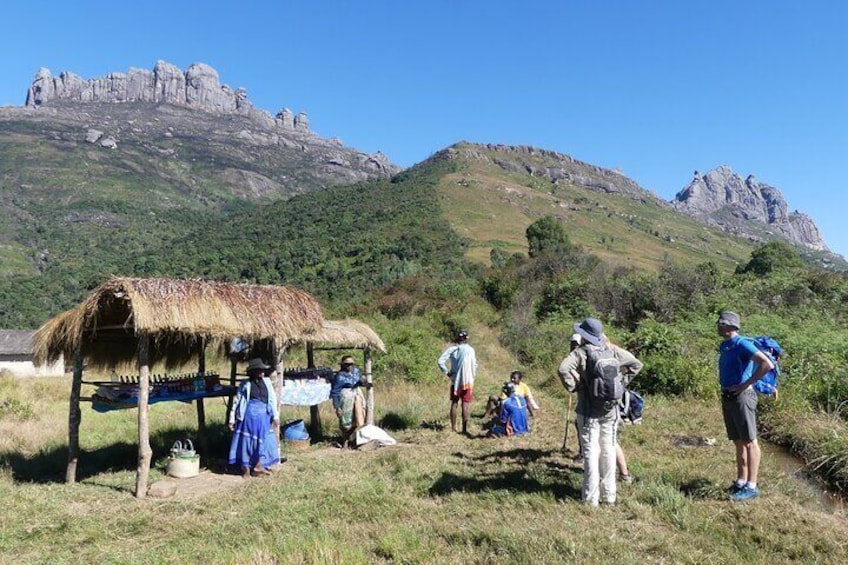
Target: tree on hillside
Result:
[771, 257]
[546, 235]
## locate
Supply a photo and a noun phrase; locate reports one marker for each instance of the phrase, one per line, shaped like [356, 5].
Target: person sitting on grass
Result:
[252, 415]
[512, 420]
[521, 389]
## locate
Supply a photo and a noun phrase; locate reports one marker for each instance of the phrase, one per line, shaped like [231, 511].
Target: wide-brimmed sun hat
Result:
[591, 330]
[257, 364]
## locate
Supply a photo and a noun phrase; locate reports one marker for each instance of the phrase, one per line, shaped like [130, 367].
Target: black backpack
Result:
[603, 381]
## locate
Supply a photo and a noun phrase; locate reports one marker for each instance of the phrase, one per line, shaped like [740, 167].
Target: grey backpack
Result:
[603, 382]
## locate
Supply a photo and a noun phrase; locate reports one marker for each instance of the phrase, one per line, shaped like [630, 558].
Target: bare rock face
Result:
[722, 198]
[199, 87]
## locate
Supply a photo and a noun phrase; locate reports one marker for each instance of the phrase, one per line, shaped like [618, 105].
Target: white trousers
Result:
[597, 438]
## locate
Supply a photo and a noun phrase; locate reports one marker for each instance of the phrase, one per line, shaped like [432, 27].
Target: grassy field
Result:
[436, 497]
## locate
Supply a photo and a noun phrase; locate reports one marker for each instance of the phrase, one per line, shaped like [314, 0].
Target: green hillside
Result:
[493, 203]
[79, 214]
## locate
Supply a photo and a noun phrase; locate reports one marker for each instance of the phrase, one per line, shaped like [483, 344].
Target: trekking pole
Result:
[567, 424]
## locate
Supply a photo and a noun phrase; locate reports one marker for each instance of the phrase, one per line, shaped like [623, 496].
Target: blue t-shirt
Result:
[734, 362]
[514, 415]
[342, 380]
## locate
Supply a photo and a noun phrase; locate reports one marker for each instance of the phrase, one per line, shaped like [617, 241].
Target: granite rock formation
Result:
[745, 207]
[199, 87]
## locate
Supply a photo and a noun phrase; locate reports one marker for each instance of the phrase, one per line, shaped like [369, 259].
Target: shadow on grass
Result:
[564, 477]
[49, 466]
[702, 488]
[436, 425]
[513, 481]
[395, 422]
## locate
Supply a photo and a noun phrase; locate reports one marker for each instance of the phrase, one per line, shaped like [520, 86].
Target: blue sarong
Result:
[250, 435]
[270, 449]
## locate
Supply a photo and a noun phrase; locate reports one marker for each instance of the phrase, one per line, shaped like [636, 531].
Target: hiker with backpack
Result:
[596, 371]
[629, 410]
[741, 364]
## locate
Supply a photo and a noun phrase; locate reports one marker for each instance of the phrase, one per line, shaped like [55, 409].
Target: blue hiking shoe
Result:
[745, 493]
[734, 488]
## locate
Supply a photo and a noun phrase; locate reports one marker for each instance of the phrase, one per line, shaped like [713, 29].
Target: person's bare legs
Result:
[621, 461]
[741, 460]
[453, 414]
[491, 404]
[752, 453]
[466, 414]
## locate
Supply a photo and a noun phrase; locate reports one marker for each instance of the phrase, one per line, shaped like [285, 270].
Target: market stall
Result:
[167, 322]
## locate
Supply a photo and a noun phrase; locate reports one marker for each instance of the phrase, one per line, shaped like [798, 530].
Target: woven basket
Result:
[183, 467]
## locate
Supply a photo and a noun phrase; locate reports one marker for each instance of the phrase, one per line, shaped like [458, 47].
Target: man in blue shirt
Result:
[740, 365]
[513, 414]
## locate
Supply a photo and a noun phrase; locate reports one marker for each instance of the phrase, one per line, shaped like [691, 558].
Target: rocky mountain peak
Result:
[745, 207]
[553, 166]
[198, 87]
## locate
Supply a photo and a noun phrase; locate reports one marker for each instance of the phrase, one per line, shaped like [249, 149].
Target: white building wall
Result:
[25, 368]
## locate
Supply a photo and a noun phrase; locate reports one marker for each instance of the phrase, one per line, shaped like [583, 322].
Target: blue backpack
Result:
[630, 407]
[768, 384]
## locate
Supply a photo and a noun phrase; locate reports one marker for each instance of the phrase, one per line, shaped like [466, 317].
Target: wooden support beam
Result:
[202, 438]
[314, 413]
[233, 373]
[144, 451]
[74, 419]
[369, 381]
[279, 352]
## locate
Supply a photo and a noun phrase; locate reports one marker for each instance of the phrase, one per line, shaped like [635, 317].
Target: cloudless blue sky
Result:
[655, 88]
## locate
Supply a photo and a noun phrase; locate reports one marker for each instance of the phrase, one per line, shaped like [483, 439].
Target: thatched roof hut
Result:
[170, 321]
[347, 333]
[177, 315]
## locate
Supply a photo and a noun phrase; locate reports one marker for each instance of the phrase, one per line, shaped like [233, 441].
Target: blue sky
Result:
[657, 89]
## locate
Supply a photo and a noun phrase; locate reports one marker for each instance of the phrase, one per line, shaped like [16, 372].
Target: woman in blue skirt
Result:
[254, 412]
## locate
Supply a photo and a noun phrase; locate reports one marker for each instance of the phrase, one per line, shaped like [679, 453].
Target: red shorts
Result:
[464, 395]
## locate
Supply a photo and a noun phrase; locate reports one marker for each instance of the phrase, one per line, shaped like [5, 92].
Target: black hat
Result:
[508, 388]
[257, 363]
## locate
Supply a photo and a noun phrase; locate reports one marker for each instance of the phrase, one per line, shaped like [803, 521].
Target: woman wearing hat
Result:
[250, 419]
[348, 400]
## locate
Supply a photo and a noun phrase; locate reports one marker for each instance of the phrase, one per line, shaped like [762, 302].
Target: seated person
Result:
[512, 420]
[348, 400]
[521, 389]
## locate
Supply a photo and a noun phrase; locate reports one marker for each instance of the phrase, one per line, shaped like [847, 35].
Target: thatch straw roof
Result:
[347, 332]
[177, 314]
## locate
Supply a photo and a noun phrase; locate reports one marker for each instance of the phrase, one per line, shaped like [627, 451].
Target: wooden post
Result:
[201, 410]
[314, 413]
[74, 419]
[369, 405]
[233, 370]
[278, 354]
[144, 451]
